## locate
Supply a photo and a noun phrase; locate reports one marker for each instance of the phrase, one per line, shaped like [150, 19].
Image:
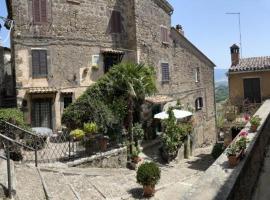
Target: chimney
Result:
[235, 54]
[179, 28]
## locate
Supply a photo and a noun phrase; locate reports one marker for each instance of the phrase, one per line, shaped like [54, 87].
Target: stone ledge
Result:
[221, 182]
[116, 158]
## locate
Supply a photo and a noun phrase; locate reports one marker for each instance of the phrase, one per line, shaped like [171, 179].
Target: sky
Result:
[208, 27]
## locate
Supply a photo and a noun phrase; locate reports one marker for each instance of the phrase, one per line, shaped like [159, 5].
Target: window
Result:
[39, 11]
[164, 35]
[199, 103]
[39, 63]
[115, 22]
[165, 71]
[67, 100]
[197, 75]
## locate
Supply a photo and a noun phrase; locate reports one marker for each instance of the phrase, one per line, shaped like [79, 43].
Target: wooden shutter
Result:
[116, 22]
[35, 63]
[43, 62]
[43, 11]
[36, 11]
[165, 72]
[164, 34]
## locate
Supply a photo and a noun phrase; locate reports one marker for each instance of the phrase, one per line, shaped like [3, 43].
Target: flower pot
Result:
[148, 190]
[233, 160]
[253, 128]
[103, 143]
[136, 159]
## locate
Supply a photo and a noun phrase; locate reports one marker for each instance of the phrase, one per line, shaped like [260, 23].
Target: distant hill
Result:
[220, 75]
[222, 93]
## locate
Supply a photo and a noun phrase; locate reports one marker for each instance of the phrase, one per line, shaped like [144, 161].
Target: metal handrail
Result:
[14, 126]
[16, 142]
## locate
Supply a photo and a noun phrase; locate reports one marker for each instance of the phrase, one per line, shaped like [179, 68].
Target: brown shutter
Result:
[43, 10]
[43, 62]
[116, 22]
[35, 63]
[36, 11]
[164, 34]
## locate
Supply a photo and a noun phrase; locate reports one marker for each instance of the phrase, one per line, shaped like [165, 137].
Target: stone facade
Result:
[77, 30]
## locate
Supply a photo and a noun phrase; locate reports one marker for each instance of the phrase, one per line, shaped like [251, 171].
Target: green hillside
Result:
[222, 93]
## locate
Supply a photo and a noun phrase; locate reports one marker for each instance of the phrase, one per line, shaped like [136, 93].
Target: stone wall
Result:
[116, 158]
[222, 182]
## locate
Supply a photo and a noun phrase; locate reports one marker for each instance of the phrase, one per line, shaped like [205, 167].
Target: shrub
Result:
[90, 128]
[217, 150]
[148, 174]
[77, 133]
[14, 116]
[138, 132]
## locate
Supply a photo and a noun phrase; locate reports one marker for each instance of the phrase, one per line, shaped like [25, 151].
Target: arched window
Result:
[199, 103]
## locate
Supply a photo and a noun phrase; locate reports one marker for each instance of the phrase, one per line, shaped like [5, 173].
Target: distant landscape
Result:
[221, 85]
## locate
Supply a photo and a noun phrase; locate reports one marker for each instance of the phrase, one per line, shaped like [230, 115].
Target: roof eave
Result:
[165, 5]
[194, 47]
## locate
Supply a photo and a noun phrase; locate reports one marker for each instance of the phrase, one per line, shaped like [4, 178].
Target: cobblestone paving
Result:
[113, 184]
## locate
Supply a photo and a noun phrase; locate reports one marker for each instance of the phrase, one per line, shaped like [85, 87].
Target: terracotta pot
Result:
[136, 159]
[233, 160]
[148, 190]
[103, 142]
[253, 128]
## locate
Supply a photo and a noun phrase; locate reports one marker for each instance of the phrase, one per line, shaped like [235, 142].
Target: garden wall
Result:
[116, 158]
[222, 182]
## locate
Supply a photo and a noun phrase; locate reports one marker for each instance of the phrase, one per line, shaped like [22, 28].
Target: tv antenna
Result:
[239, 24]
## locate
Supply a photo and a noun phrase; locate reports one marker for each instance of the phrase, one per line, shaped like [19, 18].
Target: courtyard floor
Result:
[66, 183]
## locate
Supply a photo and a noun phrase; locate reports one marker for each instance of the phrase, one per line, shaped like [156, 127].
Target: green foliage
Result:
[135, 152]
[14, 116]
[232, 150]
[222, 93]
[138, 132]
[242, 143]
[255, 120]
[148, 174]
[90, 128]
[217, 150]
[174, 134]
[78, 134]
[106, 101]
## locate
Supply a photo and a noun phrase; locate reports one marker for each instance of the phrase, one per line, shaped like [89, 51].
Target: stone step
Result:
[57, 187]
[28, 183]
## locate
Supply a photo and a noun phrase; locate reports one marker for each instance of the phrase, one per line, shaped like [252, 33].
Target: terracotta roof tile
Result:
[252, 64]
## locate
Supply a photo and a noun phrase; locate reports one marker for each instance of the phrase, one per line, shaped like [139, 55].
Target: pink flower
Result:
[246, 117]
[243, 134]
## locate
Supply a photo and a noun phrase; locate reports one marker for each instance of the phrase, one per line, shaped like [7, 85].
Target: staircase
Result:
[62, 183]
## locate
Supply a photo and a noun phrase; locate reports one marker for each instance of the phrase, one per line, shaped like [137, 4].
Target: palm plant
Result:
[135, 81]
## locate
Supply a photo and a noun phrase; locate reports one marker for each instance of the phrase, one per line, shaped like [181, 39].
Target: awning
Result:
[158, 99]
[179, 114]
[67, 91]
[42, 90]
[112, 51]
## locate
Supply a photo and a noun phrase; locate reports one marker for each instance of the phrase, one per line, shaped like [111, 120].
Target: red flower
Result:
[246, 117]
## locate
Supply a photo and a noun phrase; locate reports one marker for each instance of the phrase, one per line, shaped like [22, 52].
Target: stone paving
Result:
[66, 183]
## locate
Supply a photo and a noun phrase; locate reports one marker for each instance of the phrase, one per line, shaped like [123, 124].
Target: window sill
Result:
[165, 81]
[74, 2]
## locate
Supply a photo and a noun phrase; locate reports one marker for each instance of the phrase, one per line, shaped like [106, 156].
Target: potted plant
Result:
[90, 128]
[255, 122]
[135, 155]
[148, 175]
[231, 153]
[138, 133]
[77, 134]
[103, 142]
[242, 145]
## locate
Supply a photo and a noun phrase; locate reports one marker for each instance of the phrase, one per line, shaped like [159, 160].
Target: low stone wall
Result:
[221, 182]
[116, 158]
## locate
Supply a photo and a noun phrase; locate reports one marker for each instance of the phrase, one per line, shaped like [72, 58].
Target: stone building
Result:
[62, 47]
[249, 78]
[7, 91]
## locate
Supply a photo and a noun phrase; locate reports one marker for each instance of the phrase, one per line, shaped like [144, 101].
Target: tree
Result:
[134, 81]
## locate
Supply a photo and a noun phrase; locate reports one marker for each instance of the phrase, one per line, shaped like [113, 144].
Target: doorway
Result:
[252, 90]
[111, 59]
[41, 113]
